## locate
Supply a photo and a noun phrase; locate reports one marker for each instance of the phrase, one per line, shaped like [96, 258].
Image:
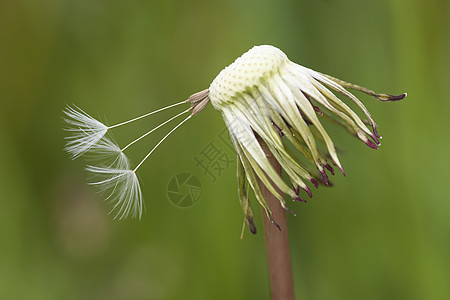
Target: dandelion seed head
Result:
[263, 95]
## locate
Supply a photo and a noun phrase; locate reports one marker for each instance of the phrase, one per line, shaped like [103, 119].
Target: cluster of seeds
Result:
[246, 72]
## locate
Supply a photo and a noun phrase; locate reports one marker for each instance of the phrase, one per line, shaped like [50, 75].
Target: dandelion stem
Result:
[277, 242]
[144, 135]
[147, 114]
[162, 140]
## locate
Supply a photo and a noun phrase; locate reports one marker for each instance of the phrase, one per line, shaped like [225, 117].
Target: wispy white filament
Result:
[150, 131]
[147, 114]
[159, 143]
[113, 172]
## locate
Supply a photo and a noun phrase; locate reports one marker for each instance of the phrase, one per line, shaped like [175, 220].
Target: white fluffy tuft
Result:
[124, 188]
[109, 154]
[86, 131]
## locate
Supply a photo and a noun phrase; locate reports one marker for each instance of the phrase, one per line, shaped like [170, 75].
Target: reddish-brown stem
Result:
[277, 242]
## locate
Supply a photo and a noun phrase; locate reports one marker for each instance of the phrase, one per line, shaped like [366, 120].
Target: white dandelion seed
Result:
[114, 174]
[86, 131]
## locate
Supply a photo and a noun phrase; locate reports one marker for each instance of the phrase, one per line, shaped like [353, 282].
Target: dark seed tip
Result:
[298, 199]
[375, 139]
[330, 168]
[342, 170]
[376, 132]
[324, 177]
[318, 110]
[308, 191]
[313, 181]
[251, 225]
[296, 189]
[275, 223]
[371, 144]
[291, 211]
[388, 98]
[278, 130]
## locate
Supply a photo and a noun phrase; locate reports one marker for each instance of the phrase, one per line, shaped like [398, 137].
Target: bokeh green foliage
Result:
[383, 232]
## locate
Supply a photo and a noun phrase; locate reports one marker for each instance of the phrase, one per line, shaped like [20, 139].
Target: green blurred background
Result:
[383, 232]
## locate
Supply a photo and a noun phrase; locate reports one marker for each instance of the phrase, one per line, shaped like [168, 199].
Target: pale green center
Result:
[246, 72]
